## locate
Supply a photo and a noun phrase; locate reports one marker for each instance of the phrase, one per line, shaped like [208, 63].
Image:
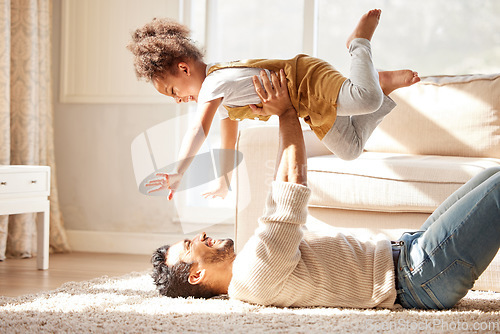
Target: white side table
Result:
[25, 189]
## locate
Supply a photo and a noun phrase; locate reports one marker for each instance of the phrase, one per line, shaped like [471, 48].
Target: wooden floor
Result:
[20, 276]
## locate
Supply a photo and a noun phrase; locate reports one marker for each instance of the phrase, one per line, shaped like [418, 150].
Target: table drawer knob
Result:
[3, 183]
[33, 181]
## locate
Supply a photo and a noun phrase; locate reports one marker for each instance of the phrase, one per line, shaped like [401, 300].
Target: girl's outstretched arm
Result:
[190, 146]
[229, 134]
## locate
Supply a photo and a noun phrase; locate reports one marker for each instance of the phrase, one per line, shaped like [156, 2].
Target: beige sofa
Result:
[444, 130]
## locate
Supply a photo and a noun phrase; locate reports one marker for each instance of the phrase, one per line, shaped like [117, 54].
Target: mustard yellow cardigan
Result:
[313, 86]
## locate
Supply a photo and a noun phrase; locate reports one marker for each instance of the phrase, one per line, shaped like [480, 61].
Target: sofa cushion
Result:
[389, 182]
[444, 115]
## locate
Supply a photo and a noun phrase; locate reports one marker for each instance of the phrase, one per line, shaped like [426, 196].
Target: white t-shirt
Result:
[234, 85]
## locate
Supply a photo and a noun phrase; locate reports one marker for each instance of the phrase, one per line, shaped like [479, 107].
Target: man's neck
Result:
[221, 277]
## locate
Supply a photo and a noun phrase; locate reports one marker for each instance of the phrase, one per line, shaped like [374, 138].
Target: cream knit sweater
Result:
[284, 265]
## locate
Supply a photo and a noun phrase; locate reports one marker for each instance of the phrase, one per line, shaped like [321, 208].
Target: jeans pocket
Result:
[450, 285]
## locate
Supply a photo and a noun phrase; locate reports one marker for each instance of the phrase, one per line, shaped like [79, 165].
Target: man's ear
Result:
[197, 277]
[184, 68]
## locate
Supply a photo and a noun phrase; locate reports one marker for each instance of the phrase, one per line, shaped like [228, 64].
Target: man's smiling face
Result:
[211, 261]
[202, 250]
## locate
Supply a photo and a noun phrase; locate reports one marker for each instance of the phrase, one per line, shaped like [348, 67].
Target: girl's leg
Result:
[361, 92]
[348, 135]
[362, 102]
[439, 265]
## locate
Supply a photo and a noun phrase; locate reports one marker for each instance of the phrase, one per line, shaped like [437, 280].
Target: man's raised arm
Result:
[291, 164]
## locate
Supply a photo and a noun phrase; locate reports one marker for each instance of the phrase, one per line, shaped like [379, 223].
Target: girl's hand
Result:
[165, 181]
[274, 97]
[220, 190]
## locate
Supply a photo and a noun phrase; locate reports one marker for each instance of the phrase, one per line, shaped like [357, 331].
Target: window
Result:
[429, 36]
[254, 29]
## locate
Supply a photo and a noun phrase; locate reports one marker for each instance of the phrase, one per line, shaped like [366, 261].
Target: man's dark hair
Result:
[172, 281]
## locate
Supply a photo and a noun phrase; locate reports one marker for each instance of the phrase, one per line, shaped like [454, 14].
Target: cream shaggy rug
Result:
[130, 304]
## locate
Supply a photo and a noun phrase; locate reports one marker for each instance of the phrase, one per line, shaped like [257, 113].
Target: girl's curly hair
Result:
[159, 46]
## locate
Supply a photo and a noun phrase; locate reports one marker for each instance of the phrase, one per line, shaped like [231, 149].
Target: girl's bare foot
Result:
[392, 80]
[366, 26]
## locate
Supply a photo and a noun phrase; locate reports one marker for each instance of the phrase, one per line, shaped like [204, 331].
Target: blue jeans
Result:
[439, 264]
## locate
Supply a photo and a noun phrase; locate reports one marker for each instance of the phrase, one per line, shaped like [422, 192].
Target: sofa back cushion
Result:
[443, 115]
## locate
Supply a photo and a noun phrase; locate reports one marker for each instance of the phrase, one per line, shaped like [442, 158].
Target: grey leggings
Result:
[361, 105]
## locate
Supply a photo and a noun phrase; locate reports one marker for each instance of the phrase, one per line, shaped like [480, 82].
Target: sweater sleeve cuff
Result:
[287, 203]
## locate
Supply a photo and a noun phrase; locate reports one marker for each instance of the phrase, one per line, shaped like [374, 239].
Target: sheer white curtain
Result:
[26, 114]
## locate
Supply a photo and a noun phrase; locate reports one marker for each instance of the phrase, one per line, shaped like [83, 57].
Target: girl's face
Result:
[183, 86]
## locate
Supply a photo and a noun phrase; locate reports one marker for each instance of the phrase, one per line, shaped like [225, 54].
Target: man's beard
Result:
[224, 253]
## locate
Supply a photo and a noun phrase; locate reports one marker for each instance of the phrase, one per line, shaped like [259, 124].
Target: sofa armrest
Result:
[254, 173]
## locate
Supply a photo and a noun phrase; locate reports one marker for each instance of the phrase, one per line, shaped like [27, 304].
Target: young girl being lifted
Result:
[342, 112]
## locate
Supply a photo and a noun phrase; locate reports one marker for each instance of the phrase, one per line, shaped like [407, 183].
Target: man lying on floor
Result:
[284, 265]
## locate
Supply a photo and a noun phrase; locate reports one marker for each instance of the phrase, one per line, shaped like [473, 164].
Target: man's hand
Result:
[274, 97]
[291, 164]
